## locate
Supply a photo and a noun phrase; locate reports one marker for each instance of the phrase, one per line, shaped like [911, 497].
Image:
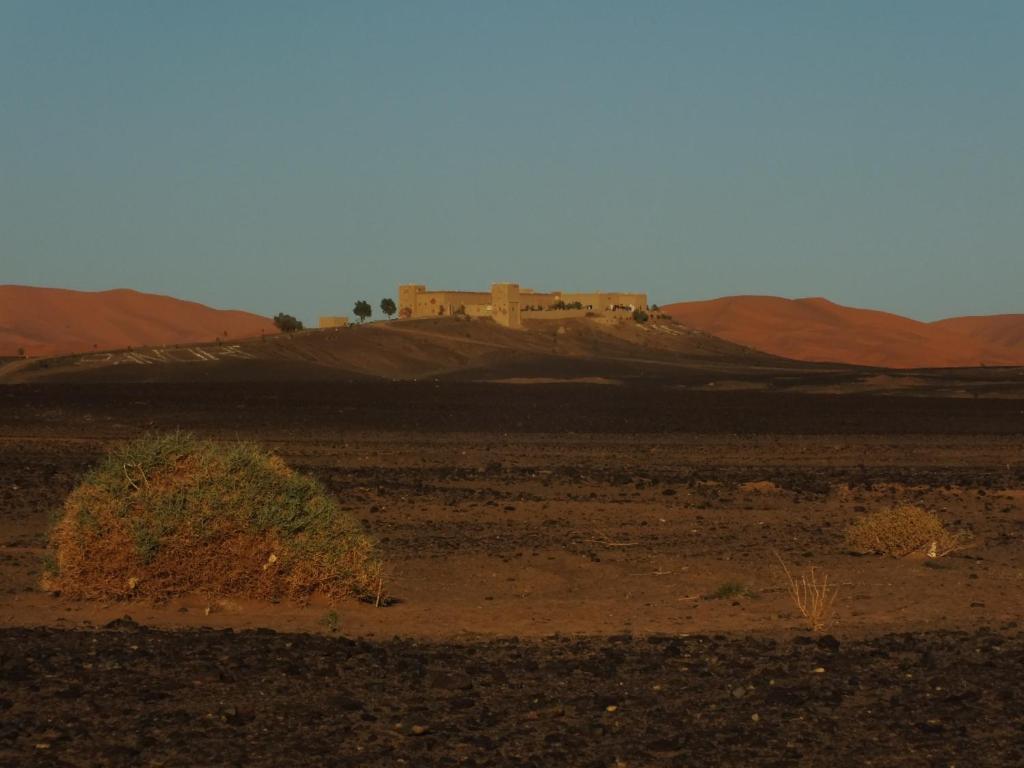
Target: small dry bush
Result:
[728, 591]
[900, 530]
[812, 595]
[171, 514]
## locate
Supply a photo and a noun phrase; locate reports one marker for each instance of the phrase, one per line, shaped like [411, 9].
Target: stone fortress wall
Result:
[509, 305]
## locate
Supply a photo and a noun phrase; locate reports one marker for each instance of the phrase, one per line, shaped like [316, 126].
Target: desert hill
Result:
[659, 353]
[1004, 330]
[815, 329]
[55, 321]
[432, 348]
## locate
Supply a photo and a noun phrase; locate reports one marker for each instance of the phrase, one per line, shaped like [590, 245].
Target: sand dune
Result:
[54, 321]
[816, 329]
[1004, 330]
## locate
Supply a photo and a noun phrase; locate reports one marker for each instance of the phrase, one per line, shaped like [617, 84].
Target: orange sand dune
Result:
[1004, 330]
[817, 330]
[54, 321]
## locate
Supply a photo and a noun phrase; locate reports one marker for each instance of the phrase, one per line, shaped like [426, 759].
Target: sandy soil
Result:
[555, 551]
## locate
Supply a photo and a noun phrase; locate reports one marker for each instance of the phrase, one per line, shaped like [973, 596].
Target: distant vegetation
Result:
[639, 315]
[362, 310]
[388, 307]
[287, 323]
[171, 514]
[728, 591]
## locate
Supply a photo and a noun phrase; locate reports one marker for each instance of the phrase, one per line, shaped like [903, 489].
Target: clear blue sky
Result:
[294, 157]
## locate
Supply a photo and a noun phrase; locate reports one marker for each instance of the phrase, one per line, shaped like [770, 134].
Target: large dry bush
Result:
[171, 514]
[901, 530]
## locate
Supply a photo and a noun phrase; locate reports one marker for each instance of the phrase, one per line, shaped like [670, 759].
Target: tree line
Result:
[362, 309]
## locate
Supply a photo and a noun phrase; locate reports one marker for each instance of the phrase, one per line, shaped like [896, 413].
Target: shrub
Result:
[900, 530]
[171, 514]
[729, 590]
[812, 596]
[640, 316]
[330, 621]
[287, 323]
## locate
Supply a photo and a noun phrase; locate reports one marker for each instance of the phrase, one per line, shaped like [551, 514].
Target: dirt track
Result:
[586, 512]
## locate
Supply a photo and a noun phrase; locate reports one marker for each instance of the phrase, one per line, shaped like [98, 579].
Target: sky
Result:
[294, 157]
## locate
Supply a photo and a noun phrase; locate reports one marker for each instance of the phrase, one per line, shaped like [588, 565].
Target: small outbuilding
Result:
[333, 321]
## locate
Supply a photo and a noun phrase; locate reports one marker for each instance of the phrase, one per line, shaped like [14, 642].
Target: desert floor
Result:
[555, 554]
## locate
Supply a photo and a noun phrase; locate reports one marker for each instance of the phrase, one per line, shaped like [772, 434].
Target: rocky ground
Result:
[557, 556]
[672, 407]
[130, 696]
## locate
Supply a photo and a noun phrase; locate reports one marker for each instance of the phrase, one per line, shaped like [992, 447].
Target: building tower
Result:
[505, 304]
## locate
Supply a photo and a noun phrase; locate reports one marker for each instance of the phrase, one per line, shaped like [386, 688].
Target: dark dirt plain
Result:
[556, 550]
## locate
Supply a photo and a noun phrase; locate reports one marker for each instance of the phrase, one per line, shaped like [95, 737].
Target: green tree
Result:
[287, 323]
[387, 306]
[639, 315]
[362, 310]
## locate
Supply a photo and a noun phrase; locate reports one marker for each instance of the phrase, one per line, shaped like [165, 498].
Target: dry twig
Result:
[813, 598]
[605, 541]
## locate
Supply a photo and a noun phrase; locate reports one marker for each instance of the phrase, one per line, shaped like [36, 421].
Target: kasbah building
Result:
[509, 305]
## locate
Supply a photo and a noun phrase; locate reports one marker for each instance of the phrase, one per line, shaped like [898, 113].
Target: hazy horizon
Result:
[248, 156]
